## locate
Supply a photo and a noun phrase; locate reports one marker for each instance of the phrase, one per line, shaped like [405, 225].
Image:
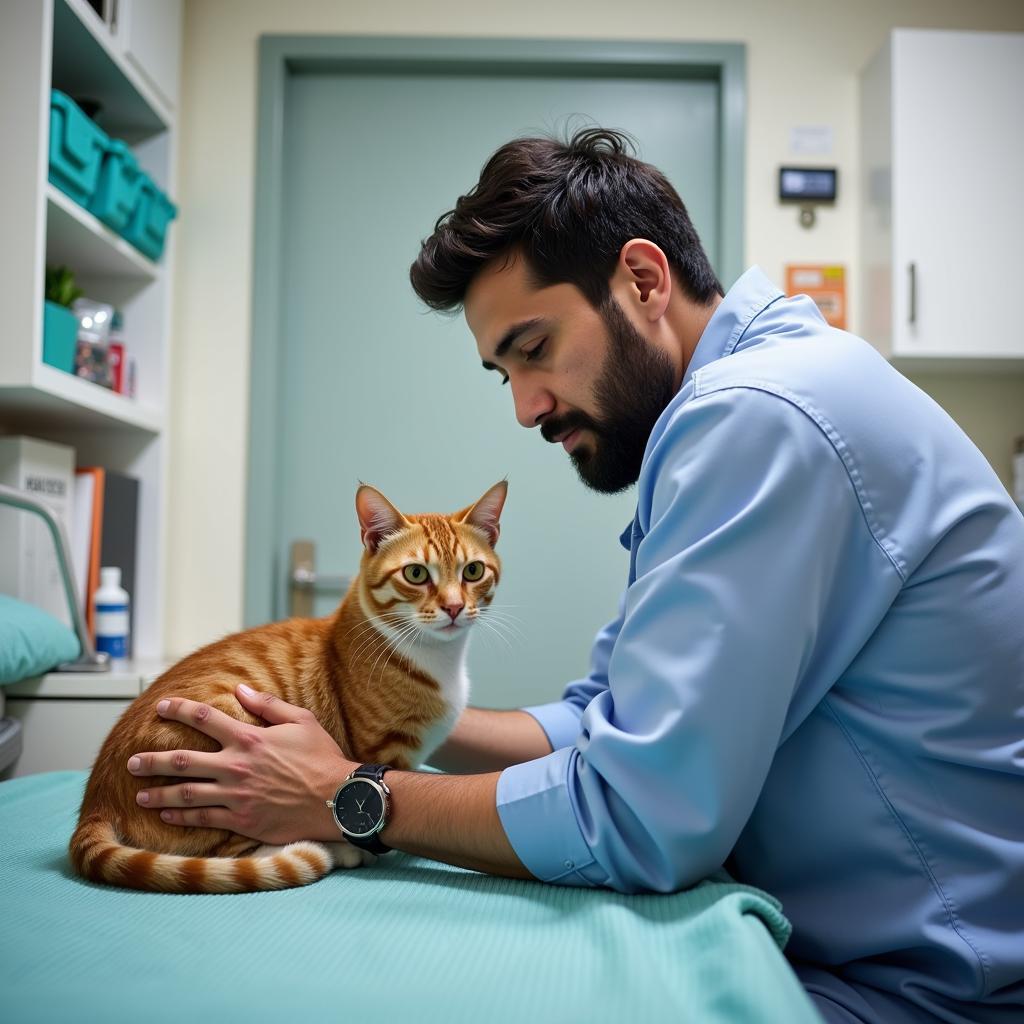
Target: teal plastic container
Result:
[119, 187]
[60, 332]
[147, 229]
[77, 146]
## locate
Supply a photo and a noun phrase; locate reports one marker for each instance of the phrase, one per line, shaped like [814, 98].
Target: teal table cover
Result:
[407, 939]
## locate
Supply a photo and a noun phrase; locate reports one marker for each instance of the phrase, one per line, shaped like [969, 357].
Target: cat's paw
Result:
[345, 855]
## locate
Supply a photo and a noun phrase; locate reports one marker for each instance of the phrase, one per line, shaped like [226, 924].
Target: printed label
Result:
[115, 646]
[112, 629]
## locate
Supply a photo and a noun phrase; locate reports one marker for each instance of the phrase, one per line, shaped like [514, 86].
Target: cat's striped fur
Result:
[381, 675]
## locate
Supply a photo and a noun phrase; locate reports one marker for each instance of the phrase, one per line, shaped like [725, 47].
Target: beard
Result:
[635, 385]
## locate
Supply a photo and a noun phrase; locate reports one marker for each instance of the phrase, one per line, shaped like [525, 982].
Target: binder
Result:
[106, 531]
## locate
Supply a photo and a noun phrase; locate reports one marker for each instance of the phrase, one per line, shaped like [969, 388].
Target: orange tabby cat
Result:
[384, 675]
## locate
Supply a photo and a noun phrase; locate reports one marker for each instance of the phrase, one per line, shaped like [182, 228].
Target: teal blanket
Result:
[407, 939]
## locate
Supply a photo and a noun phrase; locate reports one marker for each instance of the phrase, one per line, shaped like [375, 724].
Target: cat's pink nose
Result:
[453, 610]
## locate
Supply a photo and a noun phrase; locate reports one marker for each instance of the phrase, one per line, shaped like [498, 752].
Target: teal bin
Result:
[120, 185]
[77, 146]
[60, 333]
[147, 229]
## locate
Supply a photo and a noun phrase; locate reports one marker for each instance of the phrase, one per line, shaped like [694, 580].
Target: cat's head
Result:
[430, 574]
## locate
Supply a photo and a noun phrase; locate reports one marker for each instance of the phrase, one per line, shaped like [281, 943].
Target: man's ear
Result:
[378, 518]
[644, 273]
[484, 515]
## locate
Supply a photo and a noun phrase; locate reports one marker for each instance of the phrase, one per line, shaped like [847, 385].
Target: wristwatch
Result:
[361, 807]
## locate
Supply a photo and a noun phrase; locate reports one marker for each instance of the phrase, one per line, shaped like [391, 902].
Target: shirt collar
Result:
[750, 295]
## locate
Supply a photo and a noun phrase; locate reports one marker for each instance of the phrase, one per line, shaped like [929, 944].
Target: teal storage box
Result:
[147, 229]
[60, 332]
[120, 185]
[77, 146]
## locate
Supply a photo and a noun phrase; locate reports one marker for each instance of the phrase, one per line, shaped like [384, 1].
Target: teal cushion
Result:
[31, 641]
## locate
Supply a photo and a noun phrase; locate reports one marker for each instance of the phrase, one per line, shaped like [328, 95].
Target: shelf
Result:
[86, 64]
[59, 398]
[76, 238]
[124, 680]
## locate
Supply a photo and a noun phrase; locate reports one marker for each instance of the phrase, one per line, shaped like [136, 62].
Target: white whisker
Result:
[493, 629]
[403, 633]
[492, 620]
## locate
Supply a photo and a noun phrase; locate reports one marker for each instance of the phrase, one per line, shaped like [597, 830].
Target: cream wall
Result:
[803, 57]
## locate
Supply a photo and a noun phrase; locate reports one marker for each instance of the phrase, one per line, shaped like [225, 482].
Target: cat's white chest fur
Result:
[447, 664]
[444, 662]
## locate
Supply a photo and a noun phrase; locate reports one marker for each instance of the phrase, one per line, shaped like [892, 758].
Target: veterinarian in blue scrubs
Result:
[816, 677]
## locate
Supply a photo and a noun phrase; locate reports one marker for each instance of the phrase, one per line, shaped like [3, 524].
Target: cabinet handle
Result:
[912, 268]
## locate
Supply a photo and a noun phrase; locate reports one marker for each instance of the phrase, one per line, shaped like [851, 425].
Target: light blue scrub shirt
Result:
[816, 676]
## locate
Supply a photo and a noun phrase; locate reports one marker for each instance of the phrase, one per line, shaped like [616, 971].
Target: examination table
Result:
[404, 940]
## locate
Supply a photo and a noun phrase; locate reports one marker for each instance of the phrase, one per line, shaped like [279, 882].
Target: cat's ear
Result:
[378, 518]
[486, 512]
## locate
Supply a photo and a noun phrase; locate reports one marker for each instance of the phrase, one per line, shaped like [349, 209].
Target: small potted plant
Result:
[60, 326]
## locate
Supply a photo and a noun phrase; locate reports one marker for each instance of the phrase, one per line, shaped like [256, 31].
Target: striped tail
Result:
[99, 856]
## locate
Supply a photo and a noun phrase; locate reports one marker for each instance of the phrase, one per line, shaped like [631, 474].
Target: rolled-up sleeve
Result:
[751, 534]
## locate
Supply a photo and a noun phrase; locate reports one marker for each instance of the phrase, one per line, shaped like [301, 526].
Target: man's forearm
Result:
[454, 818]
[488, 741]
[450, 818]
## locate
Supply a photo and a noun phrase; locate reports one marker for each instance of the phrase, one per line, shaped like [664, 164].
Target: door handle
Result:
[912, 273]
[304, 583]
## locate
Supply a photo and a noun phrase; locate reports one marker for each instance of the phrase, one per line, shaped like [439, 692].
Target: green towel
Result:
[406, 939]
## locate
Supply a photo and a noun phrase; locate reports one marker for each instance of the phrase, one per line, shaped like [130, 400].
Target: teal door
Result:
[370, 386]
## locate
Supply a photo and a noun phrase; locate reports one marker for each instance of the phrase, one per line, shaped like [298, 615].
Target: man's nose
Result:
[453, 610]
[532, 403]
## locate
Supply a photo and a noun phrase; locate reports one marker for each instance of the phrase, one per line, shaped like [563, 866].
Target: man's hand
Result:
[267, 783]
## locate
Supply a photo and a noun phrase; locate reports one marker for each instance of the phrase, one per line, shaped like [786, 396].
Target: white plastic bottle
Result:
[111, 606]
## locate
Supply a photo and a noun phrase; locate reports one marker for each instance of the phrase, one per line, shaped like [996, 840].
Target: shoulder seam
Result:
[884, 543]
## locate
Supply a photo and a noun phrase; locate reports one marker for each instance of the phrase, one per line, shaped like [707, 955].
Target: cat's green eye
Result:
[416, 573]
[473, 572]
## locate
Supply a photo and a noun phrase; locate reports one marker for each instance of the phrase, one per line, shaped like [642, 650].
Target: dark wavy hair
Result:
[569, 207]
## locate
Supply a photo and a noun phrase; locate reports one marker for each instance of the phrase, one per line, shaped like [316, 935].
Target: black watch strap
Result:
[375, 772]
[371, 771]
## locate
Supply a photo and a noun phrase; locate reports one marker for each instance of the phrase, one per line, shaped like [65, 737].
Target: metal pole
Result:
[89, 660]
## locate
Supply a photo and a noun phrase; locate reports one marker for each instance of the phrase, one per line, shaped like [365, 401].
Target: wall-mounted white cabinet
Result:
[942, 209]
[145, 34]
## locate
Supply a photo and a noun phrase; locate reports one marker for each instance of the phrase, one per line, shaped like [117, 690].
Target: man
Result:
[816, 676]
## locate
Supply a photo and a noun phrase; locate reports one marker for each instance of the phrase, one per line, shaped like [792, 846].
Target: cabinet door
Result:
[150, 32]
[958, 209]
[62, 734]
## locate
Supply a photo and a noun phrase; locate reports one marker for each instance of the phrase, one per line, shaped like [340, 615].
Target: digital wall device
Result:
[807, 184]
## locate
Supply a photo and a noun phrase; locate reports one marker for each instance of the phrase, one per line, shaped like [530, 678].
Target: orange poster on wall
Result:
[823, 282]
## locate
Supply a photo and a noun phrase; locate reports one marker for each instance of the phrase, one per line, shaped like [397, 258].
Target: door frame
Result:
[282, 56]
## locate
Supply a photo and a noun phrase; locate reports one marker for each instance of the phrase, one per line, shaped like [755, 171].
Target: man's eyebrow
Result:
[514, 332]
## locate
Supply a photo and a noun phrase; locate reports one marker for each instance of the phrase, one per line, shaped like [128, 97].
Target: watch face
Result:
[359, 807]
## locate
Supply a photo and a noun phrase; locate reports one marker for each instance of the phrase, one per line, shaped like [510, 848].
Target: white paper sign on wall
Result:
[811, 139]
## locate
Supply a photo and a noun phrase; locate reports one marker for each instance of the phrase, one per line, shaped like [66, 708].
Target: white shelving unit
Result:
[125, 57]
